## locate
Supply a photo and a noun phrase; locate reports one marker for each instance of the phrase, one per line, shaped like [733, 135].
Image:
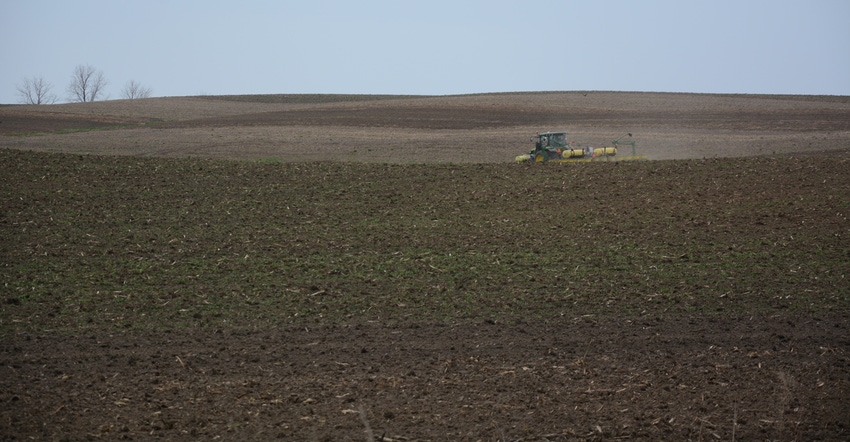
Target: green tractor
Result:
[553, 146]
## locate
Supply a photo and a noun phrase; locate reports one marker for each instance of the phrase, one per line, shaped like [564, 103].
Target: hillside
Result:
[480, 128]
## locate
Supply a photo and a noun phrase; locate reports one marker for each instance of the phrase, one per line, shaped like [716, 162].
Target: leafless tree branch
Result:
[87, 84]
[133, 90]
[36, 90]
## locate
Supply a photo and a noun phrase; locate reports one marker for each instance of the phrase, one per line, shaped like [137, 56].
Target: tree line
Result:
[87, 84]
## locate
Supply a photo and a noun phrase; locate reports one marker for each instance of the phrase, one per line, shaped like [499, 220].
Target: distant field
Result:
[484, 128]
[378, 268]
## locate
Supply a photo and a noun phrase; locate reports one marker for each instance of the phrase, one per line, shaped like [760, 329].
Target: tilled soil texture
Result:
[185, 299]
[334, 291]
[486, 128]
[775, 377]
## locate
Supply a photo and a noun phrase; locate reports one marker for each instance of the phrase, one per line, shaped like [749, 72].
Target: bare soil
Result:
[776, 377]
[487, 128]
[386, 272]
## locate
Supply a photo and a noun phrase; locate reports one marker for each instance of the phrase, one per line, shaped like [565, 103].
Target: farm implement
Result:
[554, 147]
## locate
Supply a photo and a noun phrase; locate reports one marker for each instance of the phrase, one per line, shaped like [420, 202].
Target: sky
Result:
[431, 47]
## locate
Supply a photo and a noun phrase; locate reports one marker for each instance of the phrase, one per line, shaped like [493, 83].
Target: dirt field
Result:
[489, 128]
[378, 268]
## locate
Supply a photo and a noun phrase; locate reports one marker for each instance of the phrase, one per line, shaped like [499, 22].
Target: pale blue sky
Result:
[430, 47]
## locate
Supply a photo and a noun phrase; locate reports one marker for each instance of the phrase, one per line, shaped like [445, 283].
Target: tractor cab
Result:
[552, 140]
[548, 146]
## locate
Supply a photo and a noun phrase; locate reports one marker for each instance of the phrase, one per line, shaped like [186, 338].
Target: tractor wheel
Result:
[539, 158]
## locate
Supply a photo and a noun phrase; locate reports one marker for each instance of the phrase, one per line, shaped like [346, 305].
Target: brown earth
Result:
[488, 128]
[679, 300]
[776, 377]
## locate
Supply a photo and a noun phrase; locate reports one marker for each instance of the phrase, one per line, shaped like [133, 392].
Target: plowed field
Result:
[386, 272]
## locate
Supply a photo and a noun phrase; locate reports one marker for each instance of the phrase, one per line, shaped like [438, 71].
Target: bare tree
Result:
[36, 90]
[87, 84]
[133, 90]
